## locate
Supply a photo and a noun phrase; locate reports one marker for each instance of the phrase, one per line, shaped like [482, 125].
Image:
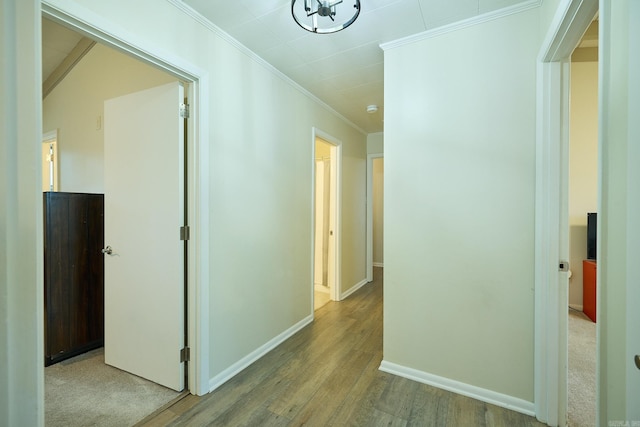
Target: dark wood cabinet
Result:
[73, 274]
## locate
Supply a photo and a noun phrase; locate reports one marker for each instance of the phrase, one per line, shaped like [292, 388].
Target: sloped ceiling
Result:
[62, 49]
[57, 43]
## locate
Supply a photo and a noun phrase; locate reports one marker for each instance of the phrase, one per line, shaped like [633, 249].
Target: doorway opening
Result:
[552, 209]
[326, 219]
[196, 294]
[69, 289]
[583, 200]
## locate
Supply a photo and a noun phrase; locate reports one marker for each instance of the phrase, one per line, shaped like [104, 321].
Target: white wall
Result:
[260, 165]
[375, 143]
[547, 13]
[459, 206]
[21, 296]
[583, 168]
[354, 209]
[619, 204]
[76, 105]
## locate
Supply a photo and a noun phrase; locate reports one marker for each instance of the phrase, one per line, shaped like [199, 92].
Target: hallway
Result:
[327, 375]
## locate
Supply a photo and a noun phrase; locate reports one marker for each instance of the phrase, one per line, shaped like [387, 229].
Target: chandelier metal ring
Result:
[324, 16]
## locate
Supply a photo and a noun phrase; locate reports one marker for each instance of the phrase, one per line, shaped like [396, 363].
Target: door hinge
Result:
[184, 232]
[184, 111]
[563, 266]
[185, 354]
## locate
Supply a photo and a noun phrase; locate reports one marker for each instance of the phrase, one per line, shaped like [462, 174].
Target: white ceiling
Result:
[57, 43]
[344, 69]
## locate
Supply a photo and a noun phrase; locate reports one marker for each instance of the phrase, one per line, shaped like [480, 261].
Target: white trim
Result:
[618, 202]
[482, 394]
[378, 264]
[354, 288]
[370, 263]
[569, 24]
[198, 17]
[96, 27]
[50, 136]
[475, 20]
[550, 355]
[312, 276]
[241, 364]
[546, 381]
[631, 288]
[336, 167]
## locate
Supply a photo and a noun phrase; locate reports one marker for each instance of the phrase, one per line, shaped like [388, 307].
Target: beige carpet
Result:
[582, 370]
[83, 391]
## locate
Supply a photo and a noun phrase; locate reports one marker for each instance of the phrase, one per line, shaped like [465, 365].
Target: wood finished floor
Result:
[327, 375]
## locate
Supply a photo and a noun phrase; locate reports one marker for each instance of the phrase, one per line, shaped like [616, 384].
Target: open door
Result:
[144, 255]
[325, 219]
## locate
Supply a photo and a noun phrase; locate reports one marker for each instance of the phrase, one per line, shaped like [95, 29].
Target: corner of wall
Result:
[484, 395]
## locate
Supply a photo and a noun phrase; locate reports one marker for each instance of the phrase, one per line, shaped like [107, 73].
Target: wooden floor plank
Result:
[325, 403]
[397, 398]
[359, 408]
[429, 407]
[327, 375]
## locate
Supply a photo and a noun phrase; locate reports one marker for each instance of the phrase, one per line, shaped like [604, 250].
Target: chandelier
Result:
[325, 16]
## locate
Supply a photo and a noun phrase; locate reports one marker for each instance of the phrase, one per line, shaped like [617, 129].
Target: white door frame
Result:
[370, 158]
[84, 21]
[51, 138]
[571, 20]
[336, 211]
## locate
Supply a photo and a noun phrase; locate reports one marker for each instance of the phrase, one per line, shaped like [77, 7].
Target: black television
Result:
[592, 234]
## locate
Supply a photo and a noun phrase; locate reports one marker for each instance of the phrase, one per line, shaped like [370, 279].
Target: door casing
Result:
[335, 213]
[551, 225]
[79, 19]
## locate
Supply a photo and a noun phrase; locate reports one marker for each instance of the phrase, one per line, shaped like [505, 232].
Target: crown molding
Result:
[476, 20]
[197, 16]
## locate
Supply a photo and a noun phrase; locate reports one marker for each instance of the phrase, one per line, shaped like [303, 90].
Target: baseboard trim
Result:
[576, 307]
[484, 395]
[241, 364]
[353, 289]
[378, 264]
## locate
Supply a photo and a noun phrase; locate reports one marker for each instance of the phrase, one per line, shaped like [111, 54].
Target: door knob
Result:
[637, 360]
[107, 250]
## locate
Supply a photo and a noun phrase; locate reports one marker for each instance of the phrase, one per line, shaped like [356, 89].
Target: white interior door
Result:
[331, 242]
[144, 209]
[321, 225]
